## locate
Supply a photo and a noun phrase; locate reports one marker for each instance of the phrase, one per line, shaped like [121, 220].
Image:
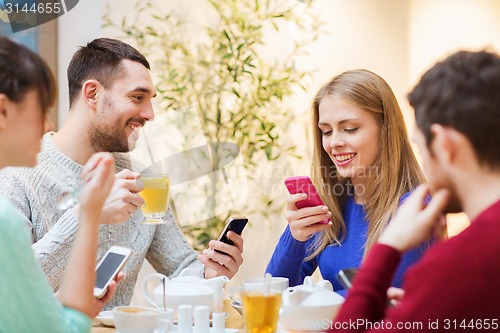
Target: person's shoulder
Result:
[8, 215]
[14, 176]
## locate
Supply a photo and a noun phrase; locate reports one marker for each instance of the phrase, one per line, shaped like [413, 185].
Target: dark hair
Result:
[22, 70]
[463, 92]
[100, 60]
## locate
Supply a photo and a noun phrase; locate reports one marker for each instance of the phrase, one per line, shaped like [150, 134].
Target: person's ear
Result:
[90, 94]
[4, 112]
[444, 145]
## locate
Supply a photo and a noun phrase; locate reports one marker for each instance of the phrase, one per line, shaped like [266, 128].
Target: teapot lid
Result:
[321, 294]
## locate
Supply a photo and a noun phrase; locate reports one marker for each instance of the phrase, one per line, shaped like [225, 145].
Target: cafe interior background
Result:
[398, 39]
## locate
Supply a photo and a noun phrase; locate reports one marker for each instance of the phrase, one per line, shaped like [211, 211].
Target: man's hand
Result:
[100, 302]
[395, 295]
[123, 199]
[415, 221]
[226, 263]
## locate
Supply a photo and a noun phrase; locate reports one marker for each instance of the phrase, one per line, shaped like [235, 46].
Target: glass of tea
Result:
[261, 310]
[155, 195]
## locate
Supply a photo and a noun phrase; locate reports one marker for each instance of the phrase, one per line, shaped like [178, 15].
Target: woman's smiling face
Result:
[350, 136]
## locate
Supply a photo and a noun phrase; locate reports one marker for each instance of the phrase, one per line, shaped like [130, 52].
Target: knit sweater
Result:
[34, 191]
[288, 259]
[27, 303]
[454, 288]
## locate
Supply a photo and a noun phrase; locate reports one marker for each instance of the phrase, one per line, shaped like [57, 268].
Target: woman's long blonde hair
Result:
[395, 173]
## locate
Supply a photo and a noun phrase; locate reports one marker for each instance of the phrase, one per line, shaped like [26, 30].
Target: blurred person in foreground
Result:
[27, 302]
[454, 288]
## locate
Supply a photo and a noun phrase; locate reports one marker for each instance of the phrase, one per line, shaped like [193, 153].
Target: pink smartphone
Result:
[303, 184]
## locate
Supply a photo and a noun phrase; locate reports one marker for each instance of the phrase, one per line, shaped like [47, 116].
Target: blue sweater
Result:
[288, 257]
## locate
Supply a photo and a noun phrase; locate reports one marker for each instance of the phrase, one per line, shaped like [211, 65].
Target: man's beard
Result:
[108, 139]
[109, 136]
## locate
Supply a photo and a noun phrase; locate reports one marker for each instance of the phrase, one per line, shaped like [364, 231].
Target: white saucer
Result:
[106, 318]
[175, 328]
[226, 315]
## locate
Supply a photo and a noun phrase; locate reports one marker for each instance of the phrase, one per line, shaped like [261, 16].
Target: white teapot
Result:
[187, 288]
[309, 307]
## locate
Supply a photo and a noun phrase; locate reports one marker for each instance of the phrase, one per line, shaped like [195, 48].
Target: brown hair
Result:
[22, 70]
[463, 92]
[396, 171]
[100, 60]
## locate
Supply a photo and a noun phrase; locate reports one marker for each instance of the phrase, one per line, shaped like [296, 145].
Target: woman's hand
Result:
[99, 303]
[97, 178]
[304, 221]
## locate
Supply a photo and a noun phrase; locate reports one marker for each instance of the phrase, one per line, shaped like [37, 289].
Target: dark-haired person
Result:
[110, 89]
[454, 288]
[27, 302]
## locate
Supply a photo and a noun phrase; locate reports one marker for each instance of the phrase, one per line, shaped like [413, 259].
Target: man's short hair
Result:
[463, 92]
[100, 60]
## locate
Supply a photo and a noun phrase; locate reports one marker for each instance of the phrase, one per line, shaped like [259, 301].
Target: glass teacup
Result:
[155, 195]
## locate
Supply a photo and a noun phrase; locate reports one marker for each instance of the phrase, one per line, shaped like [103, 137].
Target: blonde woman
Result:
[363, 168]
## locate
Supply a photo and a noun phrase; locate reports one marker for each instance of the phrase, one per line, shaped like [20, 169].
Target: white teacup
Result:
[278, 284]
[136, 319]
[167, 314]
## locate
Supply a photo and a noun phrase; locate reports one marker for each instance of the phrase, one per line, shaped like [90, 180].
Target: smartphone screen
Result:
[235, 224]
[108, 268]
[303, 184]
[346, 276]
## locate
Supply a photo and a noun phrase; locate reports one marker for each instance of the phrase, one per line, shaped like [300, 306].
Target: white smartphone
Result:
[108, 267]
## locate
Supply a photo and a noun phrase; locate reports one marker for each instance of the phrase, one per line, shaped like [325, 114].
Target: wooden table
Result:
[235, 320]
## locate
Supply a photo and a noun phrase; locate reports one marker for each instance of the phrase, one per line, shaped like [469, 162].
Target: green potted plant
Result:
[237, 93]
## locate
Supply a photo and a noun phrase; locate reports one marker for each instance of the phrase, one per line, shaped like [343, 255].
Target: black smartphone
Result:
[346, 276]
[234, 224]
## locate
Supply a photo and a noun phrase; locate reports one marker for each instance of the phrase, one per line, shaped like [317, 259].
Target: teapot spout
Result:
[294, 296]
[216, 283]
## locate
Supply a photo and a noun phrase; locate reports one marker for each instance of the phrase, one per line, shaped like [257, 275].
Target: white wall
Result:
[75, 28]
[439, 28]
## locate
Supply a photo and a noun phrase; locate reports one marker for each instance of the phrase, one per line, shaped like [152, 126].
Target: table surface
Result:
[235, 320]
